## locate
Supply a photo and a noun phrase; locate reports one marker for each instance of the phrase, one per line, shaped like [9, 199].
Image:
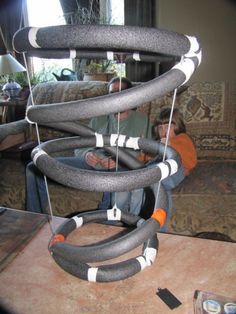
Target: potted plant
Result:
[102, 70]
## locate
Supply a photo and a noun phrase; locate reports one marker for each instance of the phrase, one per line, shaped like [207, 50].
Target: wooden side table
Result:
[10, 108]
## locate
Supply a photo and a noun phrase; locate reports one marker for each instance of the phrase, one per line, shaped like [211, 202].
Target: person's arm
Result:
[183, 144]
[96, 158]
[81, 152]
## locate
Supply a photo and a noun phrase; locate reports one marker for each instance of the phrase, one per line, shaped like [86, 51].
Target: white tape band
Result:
[199, 56]
[187, 66]
[32, 36]
[26, 115]
[142, 262]
[110, 55]
[78, 221]
[121, 140]
[173, 166]
[92, 274]
[72, 54]
[99, 140]
[150, 255]
[194, 45]
[113, 139]
[136, 56]
[38, 154]
[114, 214]
[132, 142]
[164, 170]
[195, 55]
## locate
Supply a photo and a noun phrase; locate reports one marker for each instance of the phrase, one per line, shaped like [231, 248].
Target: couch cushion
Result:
[57, 92]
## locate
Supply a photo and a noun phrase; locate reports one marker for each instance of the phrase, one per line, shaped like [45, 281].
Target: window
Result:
[47, 13]
[40, 14]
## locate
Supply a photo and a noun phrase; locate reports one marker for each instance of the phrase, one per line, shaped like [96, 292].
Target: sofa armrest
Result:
[13, 128]
[12, 133]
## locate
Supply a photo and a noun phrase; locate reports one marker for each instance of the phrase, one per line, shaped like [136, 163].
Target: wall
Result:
[214, 23]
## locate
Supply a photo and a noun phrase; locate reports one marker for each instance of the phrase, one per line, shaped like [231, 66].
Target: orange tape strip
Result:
[57, 238]
[159, 215]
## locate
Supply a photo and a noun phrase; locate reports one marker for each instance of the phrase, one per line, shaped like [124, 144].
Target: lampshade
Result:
[8, 65]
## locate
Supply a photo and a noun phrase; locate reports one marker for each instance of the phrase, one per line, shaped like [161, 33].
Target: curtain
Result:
[89, 6]
[68, 6]
[140, 13]
[11, 19]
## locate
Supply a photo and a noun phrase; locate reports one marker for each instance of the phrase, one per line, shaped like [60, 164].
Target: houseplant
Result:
[102, 70]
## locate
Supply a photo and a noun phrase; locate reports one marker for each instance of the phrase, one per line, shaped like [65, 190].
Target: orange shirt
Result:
[183, 144]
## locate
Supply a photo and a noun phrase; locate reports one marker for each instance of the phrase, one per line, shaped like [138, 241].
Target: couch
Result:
[204, 202]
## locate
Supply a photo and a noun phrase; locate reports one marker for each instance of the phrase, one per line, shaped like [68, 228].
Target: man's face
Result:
[162, 130]
[115, 87]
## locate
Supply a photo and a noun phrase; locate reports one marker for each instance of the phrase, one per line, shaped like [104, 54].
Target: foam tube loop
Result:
[83, 54]
[109, 250]
[107, 104]
[99, 181]
[107, 37]
[104, 273]
[77, 264]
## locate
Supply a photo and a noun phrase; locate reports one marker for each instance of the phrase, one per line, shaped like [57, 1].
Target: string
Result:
[118, 128]
[3, 38]
[50, 216]
[166, 143]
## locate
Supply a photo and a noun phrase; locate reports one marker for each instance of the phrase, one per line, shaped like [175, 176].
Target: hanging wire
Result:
[118, 128]
[3, 38]
[118, 131]
[166, 143]
[50, 216]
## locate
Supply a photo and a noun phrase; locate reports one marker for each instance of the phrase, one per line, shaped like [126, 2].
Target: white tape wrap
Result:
[142, 262]
[150, 255]
[121, 140]
[99, 140]
[92, 274]
[72, 53]
[114, 214]
[199, 56]
[132, 142]
[164, 170]
[196, 55]
[173, 166]
[32, 36]
[78, 221]
[110, 55]
[113, 139]
[39, 153]
[194, 45]
[26, 115]
[136, 56]
[187, 66]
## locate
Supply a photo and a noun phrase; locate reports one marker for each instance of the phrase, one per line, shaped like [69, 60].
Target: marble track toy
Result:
[105, 41]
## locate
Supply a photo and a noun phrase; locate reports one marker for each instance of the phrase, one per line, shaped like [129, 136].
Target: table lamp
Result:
[9, 65]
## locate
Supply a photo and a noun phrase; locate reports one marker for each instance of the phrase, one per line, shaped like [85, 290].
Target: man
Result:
[131, 123]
